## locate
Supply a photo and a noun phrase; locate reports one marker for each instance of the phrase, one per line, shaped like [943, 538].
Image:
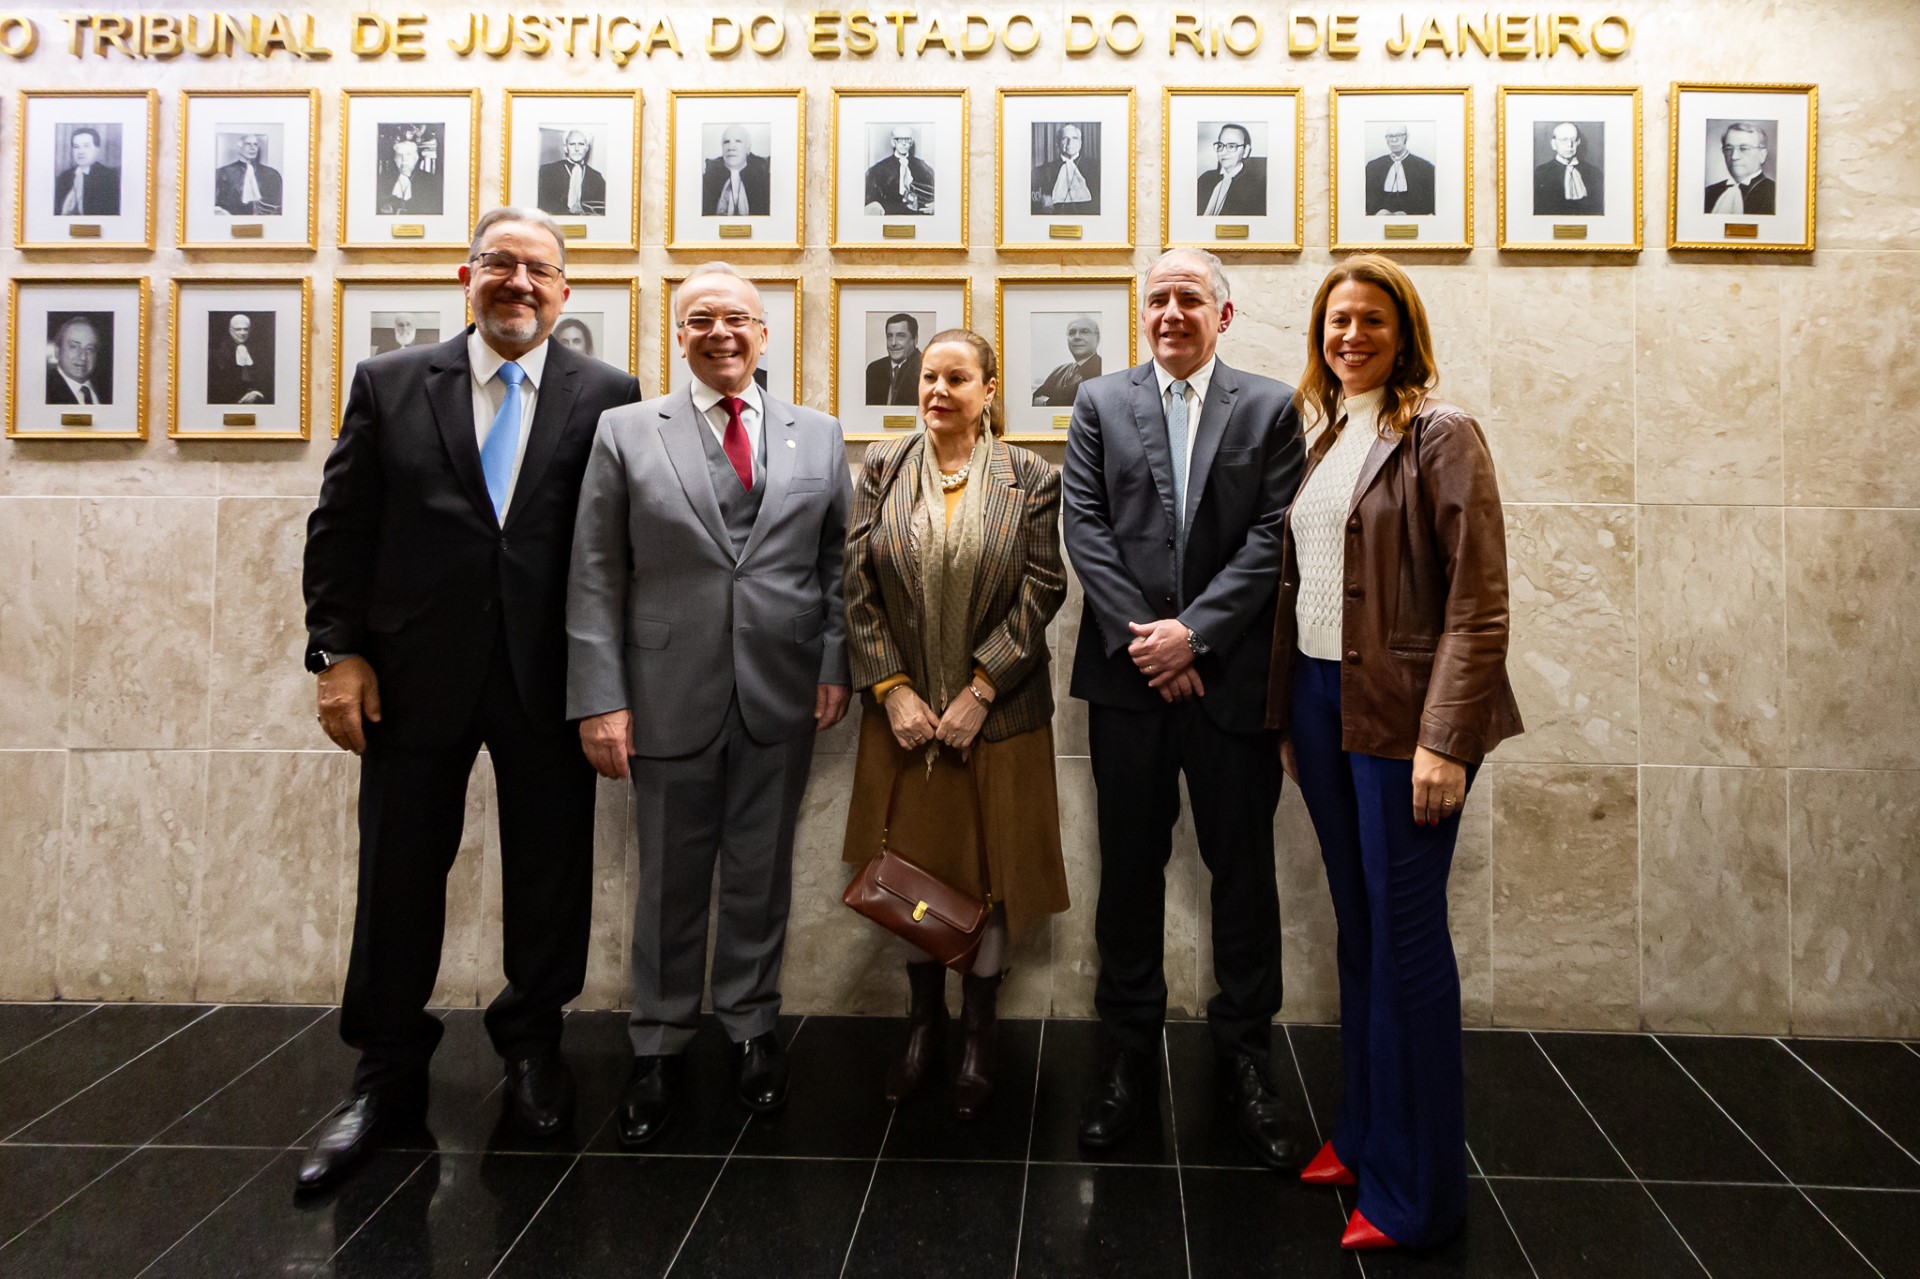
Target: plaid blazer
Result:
[1017, 590]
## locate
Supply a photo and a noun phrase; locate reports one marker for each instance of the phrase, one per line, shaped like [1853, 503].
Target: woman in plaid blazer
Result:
[953, 571]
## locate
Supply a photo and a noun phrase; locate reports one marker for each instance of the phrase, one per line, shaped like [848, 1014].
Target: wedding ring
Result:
[1447, 802]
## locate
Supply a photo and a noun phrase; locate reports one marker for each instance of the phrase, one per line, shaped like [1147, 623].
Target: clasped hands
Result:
[914, 724]
[1161, 652]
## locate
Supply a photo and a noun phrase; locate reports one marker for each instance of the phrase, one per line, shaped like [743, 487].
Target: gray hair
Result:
[510, 213]
[1216, 271]
[1744, 126]
[1093, 322]
[717, 267]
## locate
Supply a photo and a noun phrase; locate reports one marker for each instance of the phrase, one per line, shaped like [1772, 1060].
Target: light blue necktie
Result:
[1177, 441]
[503, 440]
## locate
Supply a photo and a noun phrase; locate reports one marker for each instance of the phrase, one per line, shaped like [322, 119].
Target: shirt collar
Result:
[486, 362]
[1202, 378]
[705, 397]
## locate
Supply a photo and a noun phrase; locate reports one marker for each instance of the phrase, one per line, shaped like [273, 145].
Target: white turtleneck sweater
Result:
[1319, 519]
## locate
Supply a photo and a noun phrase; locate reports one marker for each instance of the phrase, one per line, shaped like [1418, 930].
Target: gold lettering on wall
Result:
[18, 36]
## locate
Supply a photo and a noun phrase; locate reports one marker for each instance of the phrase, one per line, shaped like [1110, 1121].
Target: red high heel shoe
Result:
[1327, 1170]
[1363, 1236]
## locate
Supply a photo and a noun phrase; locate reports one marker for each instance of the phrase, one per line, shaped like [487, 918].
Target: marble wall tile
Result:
[1571, 653]
[1457, 304]
[282, 468]
[36, 620]
[1713, 893]
[281, 835]
[262, 695]
[155, 467]
[143, 613]
[470, 949]
[32, 848]
[1853, 638]
[1307, 933]
[1707, 383]
[1470, 903]
[1856, 903]
[1565, 951]
[1069, 712]
[1848, 377]
[1076, 960]
[607, 954]
[1712, 635]
[1188, 938]
[1562, 348]
[136, 836]
[836, 961]
[1865, 202]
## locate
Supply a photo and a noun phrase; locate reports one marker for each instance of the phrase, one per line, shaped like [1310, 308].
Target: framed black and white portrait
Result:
[83, 169]
[879, 327]
[77, 361]
[248, 160]
[1569, 167]
[1066, 169]
[899, 169]
[240, 351]
[1400, 168]
[601, 320]
[409, 167]
[778, 372]
[375, 315]
[1230, 174]
[1741, 160]
[1054, 333]
[575, 155]
[736, 168]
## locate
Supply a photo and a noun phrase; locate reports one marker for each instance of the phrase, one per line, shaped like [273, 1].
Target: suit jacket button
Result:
[1169, 543]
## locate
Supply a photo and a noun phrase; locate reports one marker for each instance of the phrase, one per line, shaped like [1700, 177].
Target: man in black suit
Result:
[902, 183]
[1236, 187]
[1399, 183]
[736, 183]
[240, 363]
[894, 378]
[86, 188]
[1083, 346]
[408, 187]
[436, 583]
[1567, 185]
[1748, 189]
[1177, 479]
[1070, 184]
[570, 187]
[76, 375]
[245, 187]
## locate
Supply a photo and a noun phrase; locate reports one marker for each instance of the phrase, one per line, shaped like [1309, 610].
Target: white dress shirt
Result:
[706, 401]
[1197, 386]
[76, 388]
[489, 393]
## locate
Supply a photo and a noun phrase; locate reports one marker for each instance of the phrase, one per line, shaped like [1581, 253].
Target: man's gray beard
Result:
[510, 333]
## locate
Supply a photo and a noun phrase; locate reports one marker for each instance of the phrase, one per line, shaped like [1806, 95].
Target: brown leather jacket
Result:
[1425, 629]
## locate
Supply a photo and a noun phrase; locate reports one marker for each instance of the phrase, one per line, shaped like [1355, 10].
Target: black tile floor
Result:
[150, 1140]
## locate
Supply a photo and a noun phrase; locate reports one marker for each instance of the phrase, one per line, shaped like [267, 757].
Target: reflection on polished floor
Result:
[162, 1140]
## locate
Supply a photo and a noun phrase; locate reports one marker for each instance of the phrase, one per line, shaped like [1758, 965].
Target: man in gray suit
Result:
[1176, 484]
[706, 647]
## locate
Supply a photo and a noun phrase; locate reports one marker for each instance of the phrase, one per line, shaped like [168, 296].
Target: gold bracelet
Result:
[978, 696]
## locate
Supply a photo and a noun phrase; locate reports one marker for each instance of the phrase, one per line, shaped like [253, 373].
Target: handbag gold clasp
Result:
[919, 912]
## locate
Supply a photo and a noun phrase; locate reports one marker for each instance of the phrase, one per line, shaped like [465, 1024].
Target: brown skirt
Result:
[936, 819]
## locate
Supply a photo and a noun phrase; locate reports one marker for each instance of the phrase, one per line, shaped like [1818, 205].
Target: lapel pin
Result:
[791, 444]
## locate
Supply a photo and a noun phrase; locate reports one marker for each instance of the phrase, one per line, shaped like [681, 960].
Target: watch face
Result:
[316, 660]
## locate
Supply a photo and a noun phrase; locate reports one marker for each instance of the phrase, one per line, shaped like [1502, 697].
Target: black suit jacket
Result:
[1060, 385]
[1415, 201]
[406, 564]
[883, 186]
[1756, 197]
[230, 179]
[1246, 198]
[1117, 490]
[58, 392]
[551, 196]
[1045, 175]
[101, 195]
[880, 376]
[753, 177]
[1550, 191]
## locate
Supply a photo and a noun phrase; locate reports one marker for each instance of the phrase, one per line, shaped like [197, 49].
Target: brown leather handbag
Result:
[914, 904]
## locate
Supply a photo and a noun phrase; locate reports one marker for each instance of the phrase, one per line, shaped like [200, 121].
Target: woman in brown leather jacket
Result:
[1389, 678]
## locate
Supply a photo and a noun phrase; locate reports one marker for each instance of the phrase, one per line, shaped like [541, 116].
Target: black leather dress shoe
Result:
[763, 1072]
[1120, 1092]
[540, 1090]
[1257, 1112]
[355, 1131]
[646, 1106]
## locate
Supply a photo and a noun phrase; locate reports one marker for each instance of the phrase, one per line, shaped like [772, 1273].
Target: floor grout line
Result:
[1339, 1195]
[1173, 1126]
[1026, 1163]
[846, 1258]
[1512, 1229]
[116, 1070]
[75, 1021]
[575, 1163]
[1843, 1097]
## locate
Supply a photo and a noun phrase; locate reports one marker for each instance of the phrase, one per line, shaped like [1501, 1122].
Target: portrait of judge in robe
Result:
[240, 357]
[1399, 183]
[80, 357]
[736, 182]
[86, 185]
[569, 186]
[1066, 171]
[899, 182]
[1082, 362]
[398, 330]
[1569, 175]
[408, 183]
[246, 186]
[1236, 185]
[1743, 147]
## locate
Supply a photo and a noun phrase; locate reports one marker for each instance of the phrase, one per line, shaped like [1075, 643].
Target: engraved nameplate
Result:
[1403, 230]
[76, 419]
[1569, 230]
[1230, 231]
[736, 231]
[574, 230]
[247, 230]
[83, 230]
[1063, 231]
[1742, 231]
[409, 231]
[1061, 421]
[236, 419]
[898, 421]
[893, 231]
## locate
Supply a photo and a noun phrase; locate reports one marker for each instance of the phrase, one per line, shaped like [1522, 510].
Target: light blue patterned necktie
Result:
[503, 440]
[1177, 442]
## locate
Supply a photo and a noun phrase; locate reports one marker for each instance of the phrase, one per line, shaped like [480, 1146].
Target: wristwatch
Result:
[1195, 644]
[319, 659]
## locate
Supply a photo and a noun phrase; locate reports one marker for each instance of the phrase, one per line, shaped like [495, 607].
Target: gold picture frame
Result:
[1572, 235]
[583, 243]
[898, 235]
[1401, 237]
[917, 286]
[1688, 230]
[1062, 235]
[737, 237]
[1009, 366]
[405, 235]
[632, 285]
[1224, 241]
[215, 282]
[16, 285]
[240, 241]
[79, 237]
[671, 283]
[341, 285]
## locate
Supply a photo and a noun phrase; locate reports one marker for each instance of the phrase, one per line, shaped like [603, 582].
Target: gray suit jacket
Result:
[663, 620]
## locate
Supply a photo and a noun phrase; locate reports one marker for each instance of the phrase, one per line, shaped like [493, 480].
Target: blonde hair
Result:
[1414, 373]
[989, 369]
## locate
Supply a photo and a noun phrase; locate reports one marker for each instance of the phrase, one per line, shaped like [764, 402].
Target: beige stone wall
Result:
[1714, 522]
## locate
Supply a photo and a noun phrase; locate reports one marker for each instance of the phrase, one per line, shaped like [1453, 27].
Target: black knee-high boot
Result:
[928, 982]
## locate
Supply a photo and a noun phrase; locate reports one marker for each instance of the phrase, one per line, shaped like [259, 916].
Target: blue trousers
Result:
[1402, 1124]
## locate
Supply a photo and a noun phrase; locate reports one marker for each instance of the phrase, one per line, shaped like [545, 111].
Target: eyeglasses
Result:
[737, 321]
[1230, 146]
[503, 265]
[1741, 148]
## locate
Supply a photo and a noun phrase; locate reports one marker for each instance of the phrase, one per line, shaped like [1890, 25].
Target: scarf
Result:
[1396, 183]
[949, 555]
[1069, 187]
[1732, 200]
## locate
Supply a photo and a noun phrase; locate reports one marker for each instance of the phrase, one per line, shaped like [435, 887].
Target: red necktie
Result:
[734, 442]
